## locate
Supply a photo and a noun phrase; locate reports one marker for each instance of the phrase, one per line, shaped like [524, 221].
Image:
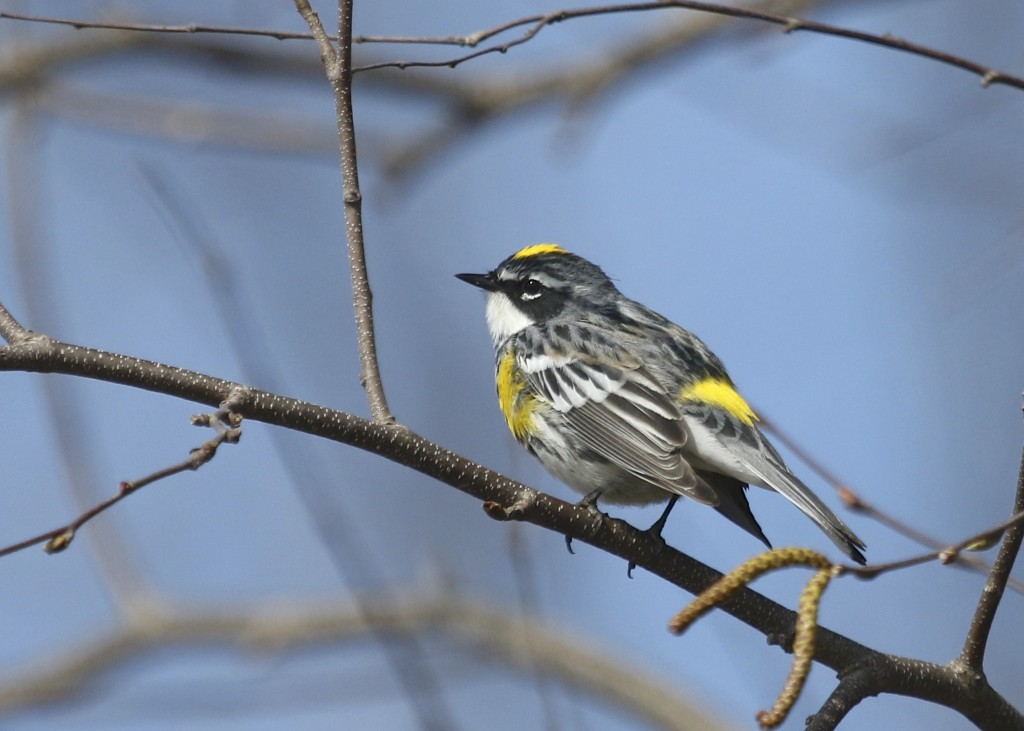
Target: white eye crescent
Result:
[532, 289]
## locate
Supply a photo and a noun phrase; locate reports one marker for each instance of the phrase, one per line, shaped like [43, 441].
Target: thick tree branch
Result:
[968, 693]
[863, 672]
[946, 685]
[41, 354]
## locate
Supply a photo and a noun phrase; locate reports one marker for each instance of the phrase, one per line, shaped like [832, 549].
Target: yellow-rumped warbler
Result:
[623, 405]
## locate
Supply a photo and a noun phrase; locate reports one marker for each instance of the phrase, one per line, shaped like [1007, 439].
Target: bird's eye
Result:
[532, 289]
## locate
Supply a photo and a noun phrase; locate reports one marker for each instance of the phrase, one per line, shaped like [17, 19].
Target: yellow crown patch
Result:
[538, 249]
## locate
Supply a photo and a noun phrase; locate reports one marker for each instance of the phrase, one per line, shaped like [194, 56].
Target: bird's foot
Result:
[589, 502]
[655, 531]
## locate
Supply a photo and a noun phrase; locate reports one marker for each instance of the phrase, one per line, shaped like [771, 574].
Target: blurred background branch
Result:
[217, 119]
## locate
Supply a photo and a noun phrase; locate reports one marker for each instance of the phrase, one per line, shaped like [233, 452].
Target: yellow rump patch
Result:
[721, 393]
[515, 405]
[538, 249]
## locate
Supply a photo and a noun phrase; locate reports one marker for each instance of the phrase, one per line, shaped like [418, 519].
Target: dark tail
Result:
[732, 503]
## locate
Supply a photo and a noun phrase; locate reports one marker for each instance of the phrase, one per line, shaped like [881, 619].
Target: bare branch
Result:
[400, 444]
[942, 684]
[854, 501]
[850, 691]
[413, 664]
[971, 695]
[281, 35]
[961, 685]
[327, 52]
[11, 330]
[987, 75]
[338, 65]
[477, 102]
[227, 423]
[30, 240]
[191, 28]
[949, 554]
[973, 654]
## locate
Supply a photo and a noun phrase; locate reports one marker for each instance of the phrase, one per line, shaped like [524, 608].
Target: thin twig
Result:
[854, 501]
[949, 554]
[338, 65]
[973, 653]
[227, 423]
[477, 102]
[62, 406]
[153, 28]
[987, 75]
[281, 35]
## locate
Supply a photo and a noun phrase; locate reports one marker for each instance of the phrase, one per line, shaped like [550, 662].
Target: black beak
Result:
[483, 281]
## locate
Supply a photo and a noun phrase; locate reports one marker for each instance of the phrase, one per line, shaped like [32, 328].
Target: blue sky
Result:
[839, 222]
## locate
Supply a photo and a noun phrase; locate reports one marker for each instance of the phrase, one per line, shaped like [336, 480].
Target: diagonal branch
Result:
[855, 502]
[227, 424]
[967, 693]
[41, 354]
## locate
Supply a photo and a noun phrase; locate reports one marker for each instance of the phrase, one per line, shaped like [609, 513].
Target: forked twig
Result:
[226, 420]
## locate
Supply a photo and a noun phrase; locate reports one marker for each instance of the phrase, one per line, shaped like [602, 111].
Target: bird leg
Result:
[655, 530]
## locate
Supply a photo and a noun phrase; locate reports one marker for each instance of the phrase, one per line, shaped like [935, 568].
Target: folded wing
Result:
[721, 442]
[617, 410]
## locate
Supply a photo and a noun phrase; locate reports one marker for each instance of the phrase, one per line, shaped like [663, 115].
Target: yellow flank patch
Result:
[538, 249]
[516, 405]
[721, 393]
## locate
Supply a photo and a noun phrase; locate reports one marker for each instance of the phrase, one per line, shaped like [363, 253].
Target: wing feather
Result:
[619, 411]
[725, 445]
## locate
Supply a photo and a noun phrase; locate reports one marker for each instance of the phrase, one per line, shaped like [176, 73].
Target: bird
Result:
[623, 405]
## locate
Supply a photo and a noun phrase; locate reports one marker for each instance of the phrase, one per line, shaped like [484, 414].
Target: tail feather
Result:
[790, 487]
[732, 503]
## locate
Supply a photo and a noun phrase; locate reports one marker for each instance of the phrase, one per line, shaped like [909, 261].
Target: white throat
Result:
[504, 319]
